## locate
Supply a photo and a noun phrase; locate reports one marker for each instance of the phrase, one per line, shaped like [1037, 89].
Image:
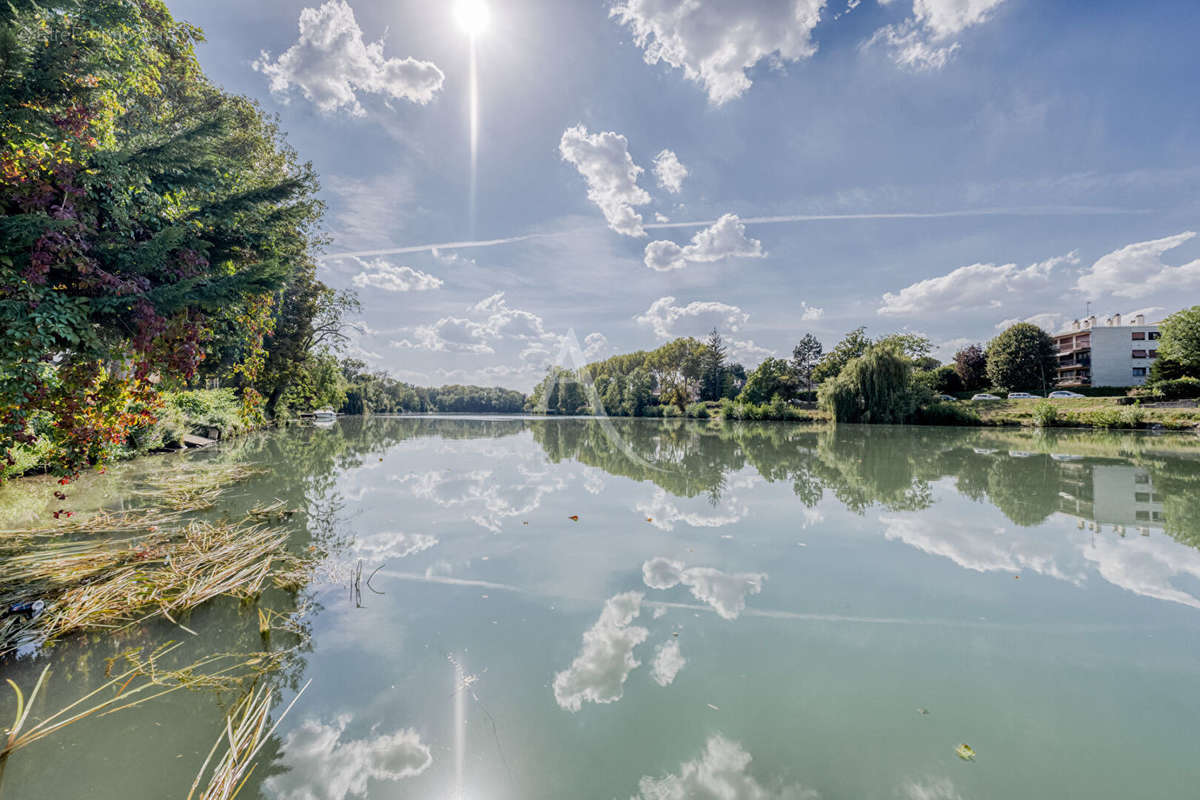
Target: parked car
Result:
[1023, 396]
[984, 396]
[1063, 394]
[949, 397]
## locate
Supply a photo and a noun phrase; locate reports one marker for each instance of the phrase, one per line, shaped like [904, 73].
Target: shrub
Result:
[1045, 414]
[697, 410]
[671, 410]
[940, 412]
[1177, 389]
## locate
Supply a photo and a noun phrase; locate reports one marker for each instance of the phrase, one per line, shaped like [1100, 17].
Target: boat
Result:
[324, 415]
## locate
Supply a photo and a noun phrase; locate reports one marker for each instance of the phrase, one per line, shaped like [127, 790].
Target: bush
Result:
[1177, 389]
[671, 410]
[940, 412]
[697, 410]
[1045, 414]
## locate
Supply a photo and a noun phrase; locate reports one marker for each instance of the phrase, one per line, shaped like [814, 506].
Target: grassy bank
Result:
[1088, 412]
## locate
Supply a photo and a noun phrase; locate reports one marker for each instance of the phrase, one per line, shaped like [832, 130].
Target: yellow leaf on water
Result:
[965, 752]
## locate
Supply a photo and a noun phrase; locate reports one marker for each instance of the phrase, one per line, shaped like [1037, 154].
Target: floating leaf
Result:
[574, 518]
[965, 752]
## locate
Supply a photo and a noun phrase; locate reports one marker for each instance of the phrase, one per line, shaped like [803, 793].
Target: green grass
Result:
[1086, 412]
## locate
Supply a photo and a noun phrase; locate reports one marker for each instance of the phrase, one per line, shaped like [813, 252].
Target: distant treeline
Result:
[380, 393]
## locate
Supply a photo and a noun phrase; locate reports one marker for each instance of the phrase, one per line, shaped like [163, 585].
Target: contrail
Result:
[978, 212]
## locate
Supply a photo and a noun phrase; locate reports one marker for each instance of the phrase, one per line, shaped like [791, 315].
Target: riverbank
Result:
[186, 419]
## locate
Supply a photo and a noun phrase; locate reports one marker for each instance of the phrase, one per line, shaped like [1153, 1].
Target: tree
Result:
[139, 205]
[940, 380]
[1180, 343]
[1023, 359]
[971, 365]
[875, 388]
[852, 345]
[805, 357]
[913, 346]
[770, 379]
[712, 367]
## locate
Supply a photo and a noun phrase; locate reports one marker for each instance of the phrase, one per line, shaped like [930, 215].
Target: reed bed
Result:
[196, 485]
[246, 731]
[110, 584]
[144, 679]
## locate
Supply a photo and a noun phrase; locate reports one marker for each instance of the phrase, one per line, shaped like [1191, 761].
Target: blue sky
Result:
[941, 166]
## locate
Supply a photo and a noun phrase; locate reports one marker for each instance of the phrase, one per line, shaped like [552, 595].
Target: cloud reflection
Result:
[598, 673]
[725, 592]
[321, 766]
[719, 774]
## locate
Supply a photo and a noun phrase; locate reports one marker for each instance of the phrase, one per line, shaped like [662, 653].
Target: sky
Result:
[637, 170]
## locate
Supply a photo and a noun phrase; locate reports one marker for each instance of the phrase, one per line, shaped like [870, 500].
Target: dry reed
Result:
[245, 734]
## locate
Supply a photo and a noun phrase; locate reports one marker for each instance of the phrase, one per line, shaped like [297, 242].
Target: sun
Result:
[473, 16]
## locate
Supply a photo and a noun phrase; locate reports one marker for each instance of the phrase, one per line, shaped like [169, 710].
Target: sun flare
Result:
[473, 16]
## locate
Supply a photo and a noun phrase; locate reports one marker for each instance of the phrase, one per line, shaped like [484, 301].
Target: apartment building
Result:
[1094, 352]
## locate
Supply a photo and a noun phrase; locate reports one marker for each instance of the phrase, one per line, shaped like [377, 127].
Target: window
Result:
[1139, 353]
[1141, 497]
[1139, 336]
[1152, 354]
[1142, 516]
[1155, 335]
[1141, 477]
[1139, 372]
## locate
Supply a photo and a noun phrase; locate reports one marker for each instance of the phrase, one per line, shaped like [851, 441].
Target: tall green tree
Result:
[1023, 359]
[1180, 342]
[771, 379]
[712, 367]
[852, 345]
[805, 357]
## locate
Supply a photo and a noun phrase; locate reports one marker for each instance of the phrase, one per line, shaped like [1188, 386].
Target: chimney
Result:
[1075, 325]
[1108, 322]
[1140, 319]
[1117, 320]
[1092, 320]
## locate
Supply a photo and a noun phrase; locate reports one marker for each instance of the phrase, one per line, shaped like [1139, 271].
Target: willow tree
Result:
[876, 387]
[141, 205]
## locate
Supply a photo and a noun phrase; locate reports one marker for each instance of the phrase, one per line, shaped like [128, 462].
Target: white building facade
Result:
[1094, 352]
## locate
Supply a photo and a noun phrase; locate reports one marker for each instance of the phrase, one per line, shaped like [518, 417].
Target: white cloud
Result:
[725, 238]
[667, 662]
[488, 322]
[975, 287]
[725, 591]
[719, 774]
[701, 316]
[659, 217]
[948, 17]
[382, 275]
[1137, 270]
[670, 172]
[604, 162]
[715, 42]
[1049, 321]
[598, 673]
[810, 313]
[745, 351]
[923, 41]
[320, 766]
[331, 63]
